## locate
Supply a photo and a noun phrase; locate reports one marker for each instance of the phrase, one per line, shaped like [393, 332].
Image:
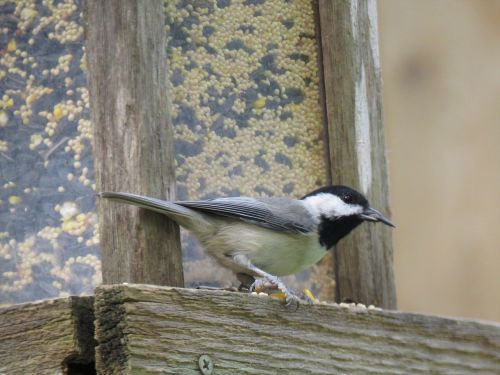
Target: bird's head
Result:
[338, 210]
[337, 202]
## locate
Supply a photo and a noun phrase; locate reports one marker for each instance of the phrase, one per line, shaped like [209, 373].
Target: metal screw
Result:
[205, 364]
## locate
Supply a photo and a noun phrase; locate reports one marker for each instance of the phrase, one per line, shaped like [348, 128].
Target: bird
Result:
[262, 239]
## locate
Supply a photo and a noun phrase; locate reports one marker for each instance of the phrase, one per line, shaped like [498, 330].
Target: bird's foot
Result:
[272, 282]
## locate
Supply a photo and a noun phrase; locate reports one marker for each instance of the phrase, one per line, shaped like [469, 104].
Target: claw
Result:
[273, 282]
[260, 285]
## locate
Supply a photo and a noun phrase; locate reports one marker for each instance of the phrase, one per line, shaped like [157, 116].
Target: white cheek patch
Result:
[330, 206]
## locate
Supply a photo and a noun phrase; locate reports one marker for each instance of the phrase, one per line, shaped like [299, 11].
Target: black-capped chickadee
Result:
[267, 237]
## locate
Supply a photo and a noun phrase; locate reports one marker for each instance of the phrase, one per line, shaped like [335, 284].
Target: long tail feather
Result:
[186, 217]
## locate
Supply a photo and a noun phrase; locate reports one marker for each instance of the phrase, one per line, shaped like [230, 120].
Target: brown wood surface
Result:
[142, 329]
[47, 337]
[133, 139]
[364, 260]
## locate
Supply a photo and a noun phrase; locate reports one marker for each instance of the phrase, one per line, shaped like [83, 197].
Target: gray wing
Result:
[281, 214]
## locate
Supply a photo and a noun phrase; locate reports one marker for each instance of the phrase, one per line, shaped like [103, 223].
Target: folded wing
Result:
[279, 214]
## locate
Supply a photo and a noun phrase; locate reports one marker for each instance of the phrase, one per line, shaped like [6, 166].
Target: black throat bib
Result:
[332, 231]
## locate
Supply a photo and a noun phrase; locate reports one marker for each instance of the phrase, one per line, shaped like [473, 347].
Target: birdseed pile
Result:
[246, 113]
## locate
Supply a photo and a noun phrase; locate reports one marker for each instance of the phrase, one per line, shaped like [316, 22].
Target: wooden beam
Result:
[47, 337]
[143, 328]
[351, 68]
[133, 138]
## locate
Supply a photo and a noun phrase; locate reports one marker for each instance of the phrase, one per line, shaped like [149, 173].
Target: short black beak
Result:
[372, 214]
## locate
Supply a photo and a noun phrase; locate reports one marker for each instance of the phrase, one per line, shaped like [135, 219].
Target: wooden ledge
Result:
[142, 328]
[47, 337]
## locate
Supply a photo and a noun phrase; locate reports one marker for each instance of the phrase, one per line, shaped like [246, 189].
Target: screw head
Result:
[205, 364]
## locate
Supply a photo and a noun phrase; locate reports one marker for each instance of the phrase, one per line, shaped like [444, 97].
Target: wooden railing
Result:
[150, 329]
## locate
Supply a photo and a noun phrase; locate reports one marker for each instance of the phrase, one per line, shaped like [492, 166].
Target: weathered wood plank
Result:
[351, 71]
[47, 337]
[143, 329]
[133, 138]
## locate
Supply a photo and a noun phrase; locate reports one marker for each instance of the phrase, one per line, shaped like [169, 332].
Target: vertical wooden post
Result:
[363, 261]
[133, 138]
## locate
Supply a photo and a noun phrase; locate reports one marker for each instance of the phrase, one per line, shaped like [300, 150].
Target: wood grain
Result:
[351, 74]
[47, 337]
[145, 329]
[133, 138]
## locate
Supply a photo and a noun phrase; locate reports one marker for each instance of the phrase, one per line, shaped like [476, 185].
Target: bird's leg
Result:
[267, 280]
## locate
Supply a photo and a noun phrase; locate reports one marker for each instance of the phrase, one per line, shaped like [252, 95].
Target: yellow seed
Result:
[309, 294]
[11, 46]
[279, 295]
[14, 199]
[259, 103]
[58, 113]
[68, 225]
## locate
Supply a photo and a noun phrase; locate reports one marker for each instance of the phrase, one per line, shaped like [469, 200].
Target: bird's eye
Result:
[347, 198]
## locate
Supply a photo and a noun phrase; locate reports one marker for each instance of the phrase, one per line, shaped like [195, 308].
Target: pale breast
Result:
[275, 252]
